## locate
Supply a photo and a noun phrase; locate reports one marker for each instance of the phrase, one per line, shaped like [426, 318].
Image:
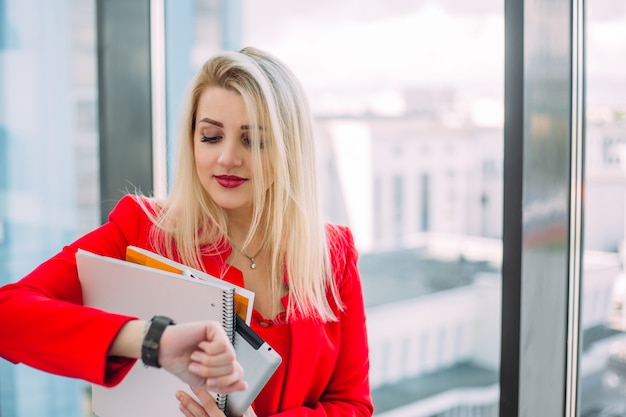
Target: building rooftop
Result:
[407, 391]
[408, 273]
[466, 375]
[595, 334]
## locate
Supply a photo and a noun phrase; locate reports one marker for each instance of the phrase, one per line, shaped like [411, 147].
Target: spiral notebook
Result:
[244, 299]
[129, 288]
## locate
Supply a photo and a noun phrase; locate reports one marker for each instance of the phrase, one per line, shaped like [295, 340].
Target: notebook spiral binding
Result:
[228, 322]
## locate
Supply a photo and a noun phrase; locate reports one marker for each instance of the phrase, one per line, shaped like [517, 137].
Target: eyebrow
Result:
[220, 124]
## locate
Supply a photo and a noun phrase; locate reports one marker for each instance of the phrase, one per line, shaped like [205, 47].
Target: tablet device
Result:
[259, 361]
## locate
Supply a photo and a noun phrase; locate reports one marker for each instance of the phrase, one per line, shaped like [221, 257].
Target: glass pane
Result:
[48, 165]
[408, 104]
[603, 353]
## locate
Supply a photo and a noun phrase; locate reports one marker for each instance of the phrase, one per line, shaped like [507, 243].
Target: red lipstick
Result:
[229, 181]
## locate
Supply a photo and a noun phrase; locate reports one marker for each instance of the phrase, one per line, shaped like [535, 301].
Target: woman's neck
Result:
[239, 222]
[239, 225]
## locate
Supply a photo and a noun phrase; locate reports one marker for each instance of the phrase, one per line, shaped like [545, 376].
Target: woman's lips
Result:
[229, 181]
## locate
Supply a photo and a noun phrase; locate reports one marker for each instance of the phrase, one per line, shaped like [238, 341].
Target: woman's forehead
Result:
[221, 107]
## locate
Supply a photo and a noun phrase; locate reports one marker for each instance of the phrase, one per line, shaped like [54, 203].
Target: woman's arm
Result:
[199, 353]
[50, 329]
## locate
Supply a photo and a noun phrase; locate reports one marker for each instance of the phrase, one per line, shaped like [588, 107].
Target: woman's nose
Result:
[230, 154]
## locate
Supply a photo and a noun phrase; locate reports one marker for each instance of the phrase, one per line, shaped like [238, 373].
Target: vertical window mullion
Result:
[542, 207]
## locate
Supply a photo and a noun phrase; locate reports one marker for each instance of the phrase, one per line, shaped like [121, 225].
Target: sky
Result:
[382, 45]
[363, 54]
[371, 49]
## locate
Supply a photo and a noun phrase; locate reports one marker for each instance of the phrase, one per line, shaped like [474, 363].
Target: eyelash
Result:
[215, 139]
[210, 139]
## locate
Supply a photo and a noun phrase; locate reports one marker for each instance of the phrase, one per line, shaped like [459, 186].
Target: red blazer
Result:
[46, 326]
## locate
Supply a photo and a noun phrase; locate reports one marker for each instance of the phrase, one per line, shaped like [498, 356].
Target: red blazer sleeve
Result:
[337, 383]
[44, 323]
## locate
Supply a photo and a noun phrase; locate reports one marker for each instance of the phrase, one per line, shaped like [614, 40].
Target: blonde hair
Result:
[188, 223]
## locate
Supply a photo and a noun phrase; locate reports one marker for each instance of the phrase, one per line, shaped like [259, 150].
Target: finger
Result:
[229, 372]
[207, 401]
[189, 406]
[215, 332]
[226, 382]
[214, 367]
[214, 359]
[238, 385]
[216, 347]
[186, 412]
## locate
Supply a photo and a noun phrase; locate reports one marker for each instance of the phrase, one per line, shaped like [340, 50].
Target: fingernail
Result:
[179, 396]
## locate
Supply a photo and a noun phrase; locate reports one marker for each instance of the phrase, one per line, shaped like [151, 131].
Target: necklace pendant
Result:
[250, 258]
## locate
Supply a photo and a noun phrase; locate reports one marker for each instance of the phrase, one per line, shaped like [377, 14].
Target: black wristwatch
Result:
[150, 344]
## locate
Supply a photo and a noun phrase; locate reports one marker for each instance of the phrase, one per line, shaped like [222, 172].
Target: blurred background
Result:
[408, 100]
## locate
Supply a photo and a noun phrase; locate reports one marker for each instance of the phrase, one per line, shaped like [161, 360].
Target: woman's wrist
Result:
[128, 341]
[152, 339]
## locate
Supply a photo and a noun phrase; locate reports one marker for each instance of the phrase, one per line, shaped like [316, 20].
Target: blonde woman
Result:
[243, 206]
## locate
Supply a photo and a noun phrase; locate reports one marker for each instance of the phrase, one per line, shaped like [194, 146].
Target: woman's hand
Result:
[200, 354]
[205, 406]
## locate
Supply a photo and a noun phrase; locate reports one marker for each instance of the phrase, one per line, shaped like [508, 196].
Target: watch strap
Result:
[150, 344]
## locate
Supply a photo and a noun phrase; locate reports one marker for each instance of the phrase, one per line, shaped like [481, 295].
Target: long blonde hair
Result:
[188, 223]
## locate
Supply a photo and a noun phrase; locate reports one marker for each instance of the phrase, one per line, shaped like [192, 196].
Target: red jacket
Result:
[46, 326]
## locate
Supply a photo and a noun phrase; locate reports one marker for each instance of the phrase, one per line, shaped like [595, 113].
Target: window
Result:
[602, 354]
[397, 205]
[49, 178]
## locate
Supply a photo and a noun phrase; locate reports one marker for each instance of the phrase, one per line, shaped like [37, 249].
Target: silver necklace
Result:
[251, 258]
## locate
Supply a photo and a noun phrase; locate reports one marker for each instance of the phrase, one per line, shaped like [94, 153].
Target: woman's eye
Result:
[210, 139]
[248, 142]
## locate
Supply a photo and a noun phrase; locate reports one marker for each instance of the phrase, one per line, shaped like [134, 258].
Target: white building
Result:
[434, 184]
[450, 339]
